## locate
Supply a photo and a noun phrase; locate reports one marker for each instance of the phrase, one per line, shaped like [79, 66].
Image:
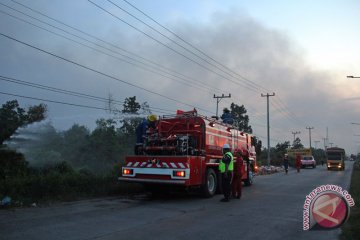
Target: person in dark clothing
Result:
[298, 162]
[286, 163]
[237, 182]
[227, 117]
[141, 129]
[226, 167]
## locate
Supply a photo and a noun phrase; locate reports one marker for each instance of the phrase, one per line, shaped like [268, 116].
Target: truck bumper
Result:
[153, 181]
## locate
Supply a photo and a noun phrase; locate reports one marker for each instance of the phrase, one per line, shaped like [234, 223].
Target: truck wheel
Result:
[249, 181]
[210, 186]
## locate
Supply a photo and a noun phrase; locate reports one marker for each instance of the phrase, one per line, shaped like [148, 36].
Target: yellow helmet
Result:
[152, 118]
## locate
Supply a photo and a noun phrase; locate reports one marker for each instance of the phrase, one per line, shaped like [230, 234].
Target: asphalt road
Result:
[270, 209]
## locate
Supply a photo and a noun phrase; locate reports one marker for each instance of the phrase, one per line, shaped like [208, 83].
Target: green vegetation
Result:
[39, 163]
[351, 229]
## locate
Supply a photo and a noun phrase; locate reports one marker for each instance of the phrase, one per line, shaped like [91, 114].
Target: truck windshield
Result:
[334, 156]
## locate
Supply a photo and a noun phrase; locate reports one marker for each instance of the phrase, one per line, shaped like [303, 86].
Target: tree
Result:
[76, 145]
[36, 113]
[130, 123]
[297, 144]
[258, 145]
[281, 147]
[104, 145]
[131, 105]
[12, 116]
[241, 120]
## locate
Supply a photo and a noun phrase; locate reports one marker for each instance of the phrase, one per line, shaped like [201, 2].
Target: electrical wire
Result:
[194, 47]
[145, 66]
[199, 82]
[71, 93]
[170, 48]
[99, 72]
[279, 108]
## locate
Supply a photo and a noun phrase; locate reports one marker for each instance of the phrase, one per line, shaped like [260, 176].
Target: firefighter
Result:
[227, 117]
[226, 167]
[286, 163]
[150, 122]
[237, 182]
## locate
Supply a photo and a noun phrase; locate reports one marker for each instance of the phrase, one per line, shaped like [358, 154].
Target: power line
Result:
[187, 82]
[279, 106]
[137, 29]
[93, 42]
[172, 73]
[201, 86]
[98, 72]
[194, 47]
[72, 93]
[176, 43]
[196, 81]
[168, 47]
[52, 101]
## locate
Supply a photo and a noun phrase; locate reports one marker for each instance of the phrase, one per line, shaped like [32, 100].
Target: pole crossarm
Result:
[218, 99]
[294, 133]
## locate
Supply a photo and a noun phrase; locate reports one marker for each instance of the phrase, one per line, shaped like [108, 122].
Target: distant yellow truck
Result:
[335, 158]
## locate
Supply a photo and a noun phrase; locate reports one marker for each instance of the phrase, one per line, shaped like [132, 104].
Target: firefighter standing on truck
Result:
[226, 167]
[141, 129]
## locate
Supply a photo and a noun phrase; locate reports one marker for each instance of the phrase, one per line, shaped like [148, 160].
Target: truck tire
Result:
[211, 182]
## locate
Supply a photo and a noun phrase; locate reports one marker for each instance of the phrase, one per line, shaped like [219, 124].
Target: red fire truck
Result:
[184, 150]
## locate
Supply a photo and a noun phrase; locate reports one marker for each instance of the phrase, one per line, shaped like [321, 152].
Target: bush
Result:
[351, 228]
[60, 182]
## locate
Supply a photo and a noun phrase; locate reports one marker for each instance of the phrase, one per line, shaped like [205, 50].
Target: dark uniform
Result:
[286, 163]
[237, 182]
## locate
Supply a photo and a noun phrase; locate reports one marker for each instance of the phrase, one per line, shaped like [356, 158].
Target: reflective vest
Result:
[231, 164]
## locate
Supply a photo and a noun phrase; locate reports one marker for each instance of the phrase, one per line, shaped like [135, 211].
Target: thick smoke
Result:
[37, 142]
[304, 95]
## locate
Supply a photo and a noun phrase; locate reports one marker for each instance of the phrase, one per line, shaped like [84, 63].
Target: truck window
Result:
[334, 156]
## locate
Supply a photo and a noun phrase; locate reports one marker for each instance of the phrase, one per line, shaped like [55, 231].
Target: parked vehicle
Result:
[184, 151]
[308, 161]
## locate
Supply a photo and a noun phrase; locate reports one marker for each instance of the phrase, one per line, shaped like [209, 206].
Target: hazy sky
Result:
[301, 50]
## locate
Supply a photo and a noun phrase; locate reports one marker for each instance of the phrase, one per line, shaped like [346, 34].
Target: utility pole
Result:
[327, 136]
[325, 147]
[331, 144]
[294, 133]
[316, 144]
[268, 125]
[218, 99]
[309, 135]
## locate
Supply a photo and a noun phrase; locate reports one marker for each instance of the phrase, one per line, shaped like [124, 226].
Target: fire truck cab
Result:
[184, 150]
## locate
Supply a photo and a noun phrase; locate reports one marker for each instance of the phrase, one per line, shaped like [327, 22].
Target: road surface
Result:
[270, 209]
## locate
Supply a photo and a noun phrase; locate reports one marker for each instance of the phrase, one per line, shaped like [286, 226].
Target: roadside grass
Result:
[351, 229]
[60, 183]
